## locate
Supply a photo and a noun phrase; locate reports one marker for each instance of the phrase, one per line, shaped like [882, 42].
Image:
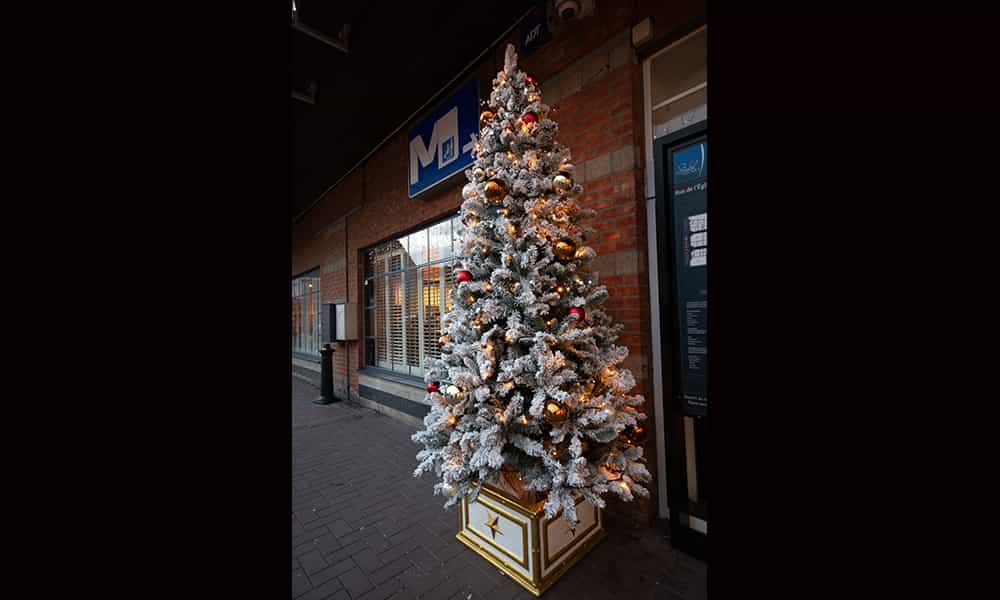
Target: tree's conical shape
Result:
[529, 374]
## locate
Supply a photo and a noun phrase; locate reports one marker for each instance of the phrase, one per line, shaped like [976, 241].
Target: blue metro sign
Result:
[444, 142]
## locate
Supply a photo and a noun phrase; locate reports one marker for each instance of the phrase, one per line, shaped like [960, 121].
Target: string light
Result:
[451, 420]
[524, 420]
[500, 417]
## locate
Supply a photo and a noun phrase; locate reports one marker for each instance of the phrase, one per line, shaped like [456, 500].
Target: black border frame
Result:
[682, 536]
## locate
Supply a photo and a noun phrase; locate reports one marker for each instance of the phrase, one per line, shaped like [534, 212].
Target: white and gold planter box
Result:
[521, 542]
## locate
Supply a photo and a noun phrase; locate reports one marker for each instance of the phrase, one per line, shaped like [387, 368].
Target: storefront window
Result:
[306, 327]
[407, 281]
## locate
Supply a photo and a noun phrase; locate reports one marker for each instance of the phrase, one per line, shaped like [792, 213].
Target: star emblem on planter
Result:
[492, 522]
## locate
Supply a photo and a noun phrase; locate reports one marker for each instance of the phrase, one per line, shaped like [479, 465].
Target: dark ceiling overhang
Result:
[399, 55]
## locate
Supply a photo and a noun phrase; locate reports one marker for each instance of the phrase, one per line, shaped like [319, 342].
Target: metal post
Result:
[326, 376]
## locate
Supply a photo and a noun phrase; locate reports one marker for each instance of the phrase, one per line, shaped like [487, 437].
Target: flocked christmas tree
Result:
[528, 386]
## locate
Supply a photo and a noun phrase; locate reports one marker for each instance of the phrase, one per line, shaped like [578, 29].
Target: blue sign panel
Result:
[690, 164]
[444, 142]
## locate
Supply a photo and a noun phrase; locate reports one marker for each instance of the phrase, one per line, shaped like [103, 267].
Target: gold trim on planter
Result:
[533, 580]
[521, 560]
[535, 587]
[496, 494]
[545, 535]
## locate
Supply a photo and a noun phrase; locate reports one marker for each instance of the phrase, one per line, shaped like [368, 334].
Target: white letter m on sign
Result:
[443, 142]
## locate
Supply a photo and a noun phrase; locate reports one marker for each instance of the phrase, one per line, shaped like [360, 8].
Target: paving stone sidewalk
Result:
[363, 528]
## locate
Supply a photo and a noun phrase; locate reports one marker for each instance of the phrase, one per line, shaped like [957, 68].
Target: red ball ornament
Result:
[530, 79]
[579, 312]
[529, 117]
[433, 387]
[463, 276]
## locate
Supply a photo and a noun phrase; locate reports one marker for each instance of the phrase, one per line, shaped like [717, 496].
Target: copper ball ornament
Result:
[485, 117]
[555, 412]
[463, 276]
[495, 190]
[469, 191]
[564, 249]
[562, 183]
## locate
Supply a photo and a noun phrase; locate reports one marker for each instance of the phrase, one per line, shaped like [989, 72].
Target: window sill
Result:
[400, 378]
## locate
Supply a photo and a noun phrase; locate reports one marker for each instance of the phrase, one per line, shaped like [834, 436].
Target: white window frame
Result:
[654, 294]
[390, 364]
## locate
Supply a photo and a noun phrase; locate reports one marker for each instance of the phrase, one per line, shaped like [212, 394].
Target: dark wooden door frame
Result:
[682, 536]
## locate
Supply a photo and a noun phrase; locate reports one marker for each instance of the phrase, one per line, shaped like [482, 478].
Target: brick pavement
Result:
[364, 529]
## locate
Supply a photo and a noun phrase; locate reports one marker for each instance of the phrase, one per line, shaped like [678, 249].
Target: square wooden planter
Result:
[518, 539]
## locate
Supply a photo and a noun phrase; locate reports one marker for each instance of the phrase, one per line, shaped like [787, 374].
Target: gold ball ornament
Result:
[562, 183]
[611, 471]
[555, 412]
[485, 117]
[469, 191]
[495, 191]
[478, 174]
[444, 340]
[564, 249]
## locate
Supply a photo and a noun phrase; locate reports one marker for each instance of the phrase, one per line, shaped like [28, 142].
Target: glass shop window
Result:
[306, 329]
[407, 282]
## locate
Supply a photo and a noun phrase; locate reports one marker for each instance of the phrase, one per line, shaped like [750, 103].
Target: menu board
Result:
[688, 189]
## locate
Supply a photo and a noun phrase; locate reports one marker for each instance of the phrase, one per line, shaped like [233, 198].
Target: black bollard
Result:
[326, 376]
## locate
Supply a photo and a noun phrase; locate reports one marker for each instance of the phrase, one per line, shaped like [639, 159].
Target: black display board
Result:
[688, 192]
